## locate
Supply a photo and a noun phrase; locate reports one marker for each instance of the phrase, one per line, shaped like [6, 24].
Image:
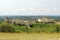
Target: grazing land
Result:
[29, 36]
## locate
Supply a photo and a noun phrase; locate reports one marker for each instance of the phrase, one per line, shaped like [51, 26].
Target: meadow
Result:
[29, 36]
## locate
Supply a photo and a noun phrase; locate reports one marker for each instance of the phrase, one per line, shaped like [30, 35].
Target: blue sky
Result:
[29, 7]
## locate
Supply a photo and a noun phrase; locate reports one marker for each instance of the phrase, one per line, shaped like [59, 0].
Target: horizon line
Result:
[29, 15]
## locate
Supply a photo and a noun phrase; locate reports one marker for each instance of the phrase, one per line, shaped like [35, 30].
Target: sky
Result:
[29, 7]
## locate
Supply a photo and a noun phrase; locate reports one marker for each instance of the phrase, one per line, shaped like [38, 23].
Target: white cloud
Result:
[7, 5]
[29, 7]
[40, 10]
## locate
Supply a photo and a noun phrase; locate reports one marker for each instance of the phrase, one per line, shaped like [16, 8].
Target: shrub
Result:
[5, 27]
[37, 27]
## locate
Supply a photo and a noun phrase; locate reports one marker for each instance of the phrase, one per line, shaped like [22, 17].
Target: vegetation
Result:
[5, 27]
[37, 27]
[29, 36]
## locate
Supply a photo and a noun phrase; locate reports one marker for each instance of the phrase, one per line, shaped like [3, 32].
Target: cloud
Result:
[40, 10]
[7, 5]
[29, 7]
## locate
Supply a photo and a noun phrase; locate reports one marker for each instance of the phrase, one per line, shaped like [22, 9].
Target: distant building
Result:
[46, 20]
[17, 21]
[30, 21]
[7, 20]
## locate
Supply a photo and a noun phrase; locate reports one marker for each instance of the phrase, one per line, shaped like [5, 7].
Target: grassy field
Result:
[29, 36]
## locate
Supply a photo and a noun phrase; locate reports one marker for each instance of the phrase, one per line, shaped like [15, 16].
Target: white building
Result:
[46, 20]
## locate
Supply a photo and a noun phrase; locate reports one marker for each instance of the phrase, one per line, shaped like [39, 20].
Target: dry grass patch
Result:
[29, 36]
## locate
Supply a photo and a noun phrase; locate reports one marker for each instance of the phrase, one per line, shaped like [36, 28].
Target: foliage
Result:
[37, 27]
[5, 27]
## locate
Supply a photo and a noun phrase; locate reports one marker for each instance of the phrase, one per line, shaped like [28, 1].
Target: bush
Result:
[37, 27]
[5, 27]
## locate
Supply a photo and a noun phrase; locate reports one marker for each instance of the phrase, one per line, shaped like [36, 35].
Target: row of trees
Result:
[37, 27]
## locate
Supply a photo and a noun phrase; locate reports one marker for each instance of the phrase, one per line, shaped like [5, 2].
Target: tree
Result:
[4, 27]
